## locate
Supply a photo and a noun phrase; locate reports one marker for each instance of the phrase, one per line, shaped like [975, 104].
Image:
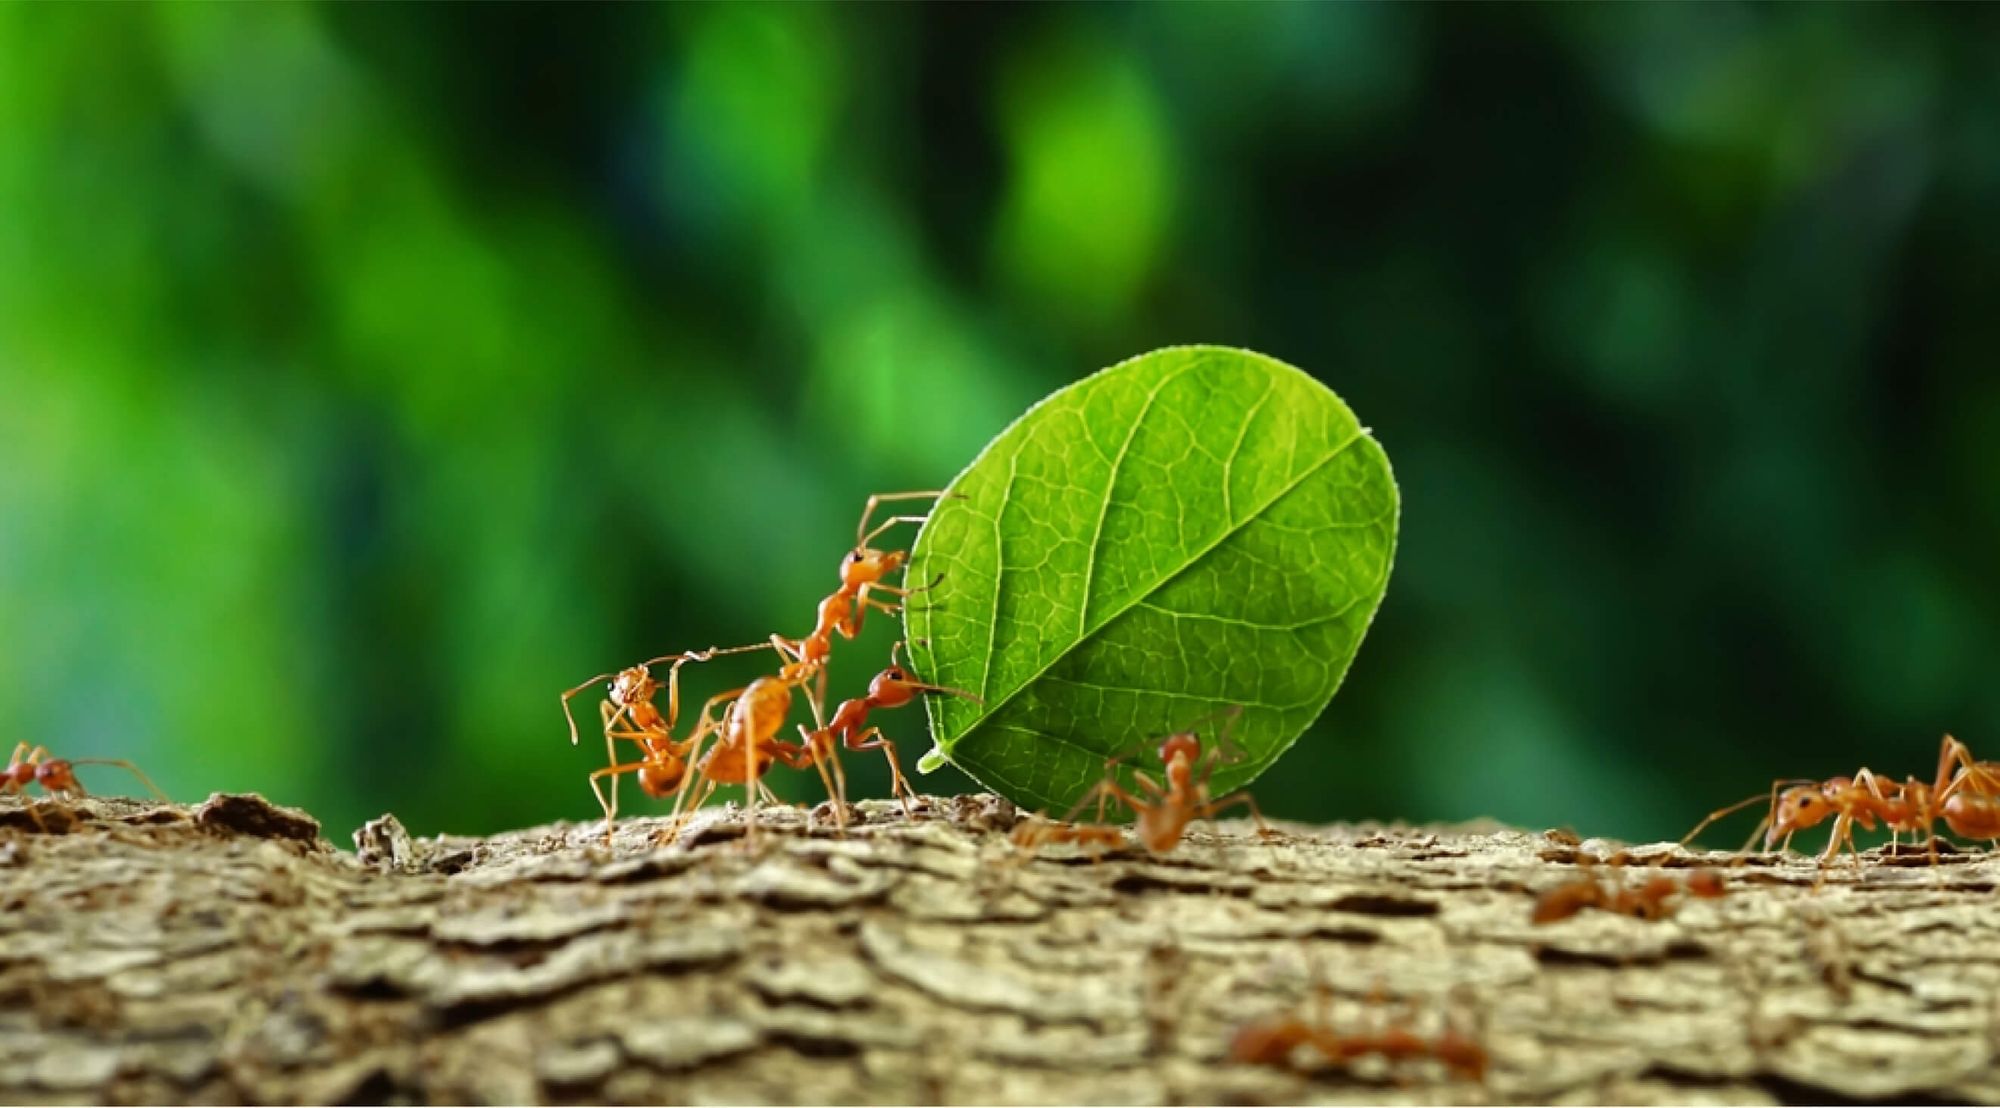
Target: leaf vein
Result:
[1194, 560]
[1111, 490]
[1236, 451]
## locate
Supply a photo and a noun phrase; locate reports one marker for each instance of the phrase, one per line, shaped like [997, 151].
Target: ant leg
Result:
[34, 811]
[871, 536]
[811, 747]
[707, 726]
[611, 806]
[1264, 829]
[905, 591]
[610, 716]
[862, 535]
[1732, 809]
[1841, 828]
[901, 784]
[679, 819]
[753, 786]
[840, 784]
[866, 601]
[708, 721]
[1137, 805]
[1153, 789]
[1097, 793]
[795, 670]
[565, 705]
[792, 651]
[1978, 776]
[1949, 751]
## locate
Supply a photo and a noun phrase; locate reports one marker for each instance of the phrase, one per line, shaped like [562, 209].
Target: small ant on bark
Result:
[32, 765]
[1657, 897]
[1163, 811]
[891, 688]
[1097, 838]
[1274, 1041]
[629, 713]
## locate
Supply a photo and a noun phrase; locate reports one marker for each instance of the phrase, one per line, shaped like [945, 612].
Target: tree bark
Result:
[226, 952]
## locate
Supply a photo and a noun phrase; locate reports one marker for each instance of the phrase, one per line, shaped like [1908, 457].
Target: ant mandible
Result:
[891, 688]
[629, 713]
[863, 574]
[1164, 811]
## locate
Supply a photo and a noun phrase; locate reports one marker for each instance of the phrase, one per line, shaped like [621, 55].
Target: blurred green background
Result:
[370, 374]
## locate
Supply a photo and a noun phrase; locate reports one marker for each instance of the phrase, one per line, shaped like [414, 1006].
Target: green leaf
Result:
[1196, 528]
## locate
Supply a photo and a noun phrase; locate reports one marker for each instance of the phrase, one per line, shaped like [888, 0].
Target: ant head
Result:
[1183, 745]
[1799, 807]
[897, 686]
[893, 686]
[632, 686]
[865, 565]
[56, 775]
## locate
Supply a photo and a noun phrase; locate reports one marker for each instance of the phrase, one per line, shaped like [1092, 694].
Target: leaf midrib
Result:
[1227, 532]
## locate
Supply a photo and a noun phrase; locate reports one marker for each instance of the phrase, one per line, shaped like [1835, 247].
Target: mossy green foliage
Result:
[1194, 529]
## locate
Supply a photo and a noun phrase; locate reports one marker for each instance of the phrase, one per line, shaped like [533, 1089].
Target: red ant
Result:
[1654, 899]
[891, 688]
[1968, 801]
[1164, 811]
[629, 713]
[862, 574]
[1273, 1041]
[57, 776]
[746, 742]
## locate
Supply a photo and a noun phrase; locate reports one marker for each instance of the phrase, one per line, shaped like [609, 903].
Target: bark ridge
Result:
[226, 952]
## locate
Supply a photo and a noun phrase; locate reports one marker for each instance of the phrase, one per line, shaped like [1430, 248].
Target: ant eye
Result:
[852, 557]
[896, 674]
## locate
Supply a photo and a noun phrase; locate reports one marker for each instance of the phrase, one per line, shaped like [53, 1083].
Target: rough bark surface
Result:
[227, 953]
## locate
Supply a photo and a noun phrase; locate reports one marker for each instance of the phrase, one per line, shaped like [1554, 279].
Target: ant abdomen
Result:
[663, 778]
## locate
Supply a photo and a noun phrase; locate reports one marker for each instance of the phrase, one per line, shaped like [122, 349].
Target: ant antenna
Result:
[1770, 795]
[686, 656]
[135, 770]
[573, 692]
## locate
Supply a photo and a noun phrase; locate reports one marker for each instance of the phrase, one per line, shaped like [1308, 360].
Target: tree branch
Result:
[226, 953]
